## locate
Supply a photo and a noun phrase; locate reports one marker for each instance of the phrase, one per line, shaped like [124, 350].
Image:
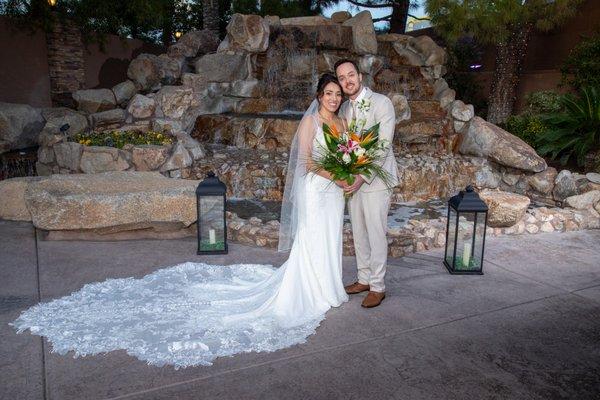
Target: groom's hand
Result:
[342, 184]
[355, 186]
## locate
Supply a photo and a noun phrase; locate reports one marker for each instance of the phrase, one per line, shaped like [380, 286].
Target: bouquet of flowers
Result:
[353, 152]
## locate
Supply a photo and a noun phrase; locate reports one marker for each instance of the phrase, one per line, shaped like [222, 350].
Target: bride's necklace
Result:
[326, 119]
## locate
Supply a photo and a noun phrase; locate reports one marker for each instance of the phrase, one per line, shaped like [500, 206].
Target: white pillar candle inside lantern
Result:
[466, 254]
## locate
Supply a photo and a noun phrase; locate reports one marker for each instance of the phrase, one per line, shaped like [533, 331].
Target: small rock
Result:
[461, 111]
[564, 185]
[547, 227]
[141, 106]
[593, 177]
[531, 228]
[340, 16]
[123, 92]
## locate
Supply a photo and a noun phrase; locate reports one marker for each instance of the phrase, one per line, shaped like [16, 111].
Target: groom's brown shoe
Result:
[356, 288]
[373, 299]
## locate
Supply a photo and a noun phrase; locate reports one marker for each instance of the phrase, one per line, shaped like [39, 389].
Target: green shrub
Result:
[526, 126]
[543, 102]
[574, 131]
[582, 66]
[118, 138]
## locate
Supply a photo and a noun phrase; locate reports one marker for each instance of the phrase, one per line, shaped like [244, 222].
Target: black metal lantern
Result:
[465, 233]
[212, 224]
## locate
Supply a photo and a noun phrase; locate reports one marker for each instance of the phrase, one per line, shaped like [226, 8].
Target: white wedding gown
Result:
[191, 313]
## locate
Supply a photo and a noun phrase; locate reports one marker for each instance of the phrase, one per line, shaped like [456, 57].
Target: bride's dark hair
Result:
[325, 79]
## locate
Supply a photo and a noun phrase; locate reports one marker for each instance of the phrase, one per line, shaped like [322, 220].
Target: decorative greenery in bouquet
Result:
[119, 139]
[347, 154]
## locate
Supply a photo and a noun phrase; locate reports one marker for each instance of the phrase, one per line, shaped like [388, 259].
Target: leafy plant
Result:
[119, 139]
[576, 130]
[526, 126]
[543, 102]
[582, 66]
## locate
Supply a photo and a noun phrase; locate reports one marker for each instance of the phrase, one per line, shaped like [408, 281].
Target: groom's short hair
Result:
[344, 61]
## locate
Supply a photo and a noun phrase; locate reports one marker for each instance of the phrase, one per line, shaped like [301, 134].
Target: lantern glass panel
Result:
[212, 223]
[451, 242]
[465, 248]
[479, 239]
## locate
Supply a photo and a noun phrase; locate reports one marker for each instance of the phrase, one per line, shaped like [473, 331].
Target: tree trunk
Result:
[509, 60]
[399, 16]
[167, 25]
[210, 15]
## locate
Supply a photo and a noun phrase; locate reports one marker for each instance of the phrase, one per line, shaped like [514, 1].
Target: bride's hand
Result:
[342, 184]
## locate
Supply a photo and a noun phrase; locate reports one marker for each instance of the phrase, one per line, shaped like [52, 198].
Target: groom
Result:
[370, 201]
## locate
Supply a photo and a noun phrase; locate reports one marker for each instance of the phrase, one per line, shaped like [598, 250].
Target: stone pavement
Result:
[527, 329]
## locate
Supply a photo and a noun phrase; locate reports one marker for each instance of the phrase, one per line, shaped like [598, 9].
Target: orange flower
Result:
[355, 137]
[366, 139]
[362, 160]
[334, 132]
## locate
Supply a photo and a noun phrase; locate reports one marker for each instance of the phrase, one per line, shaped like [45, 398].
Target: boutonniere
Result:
[364, 105]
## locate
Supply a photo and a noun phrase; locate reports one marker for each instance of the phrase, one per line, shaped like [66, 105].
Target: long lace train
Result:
[184, 315]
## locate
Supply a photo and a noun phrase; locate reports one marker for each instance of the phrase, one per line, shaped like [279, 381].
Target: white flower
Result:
[346, 158]
[364, 105]
[360, 151]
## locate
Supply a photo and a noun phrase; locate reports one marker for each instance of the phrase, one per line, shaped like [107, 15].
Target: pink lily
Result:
[349, 147]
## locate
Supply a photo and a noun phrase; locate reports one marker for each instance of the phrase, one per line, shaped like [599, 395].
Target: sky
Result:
[375, 12]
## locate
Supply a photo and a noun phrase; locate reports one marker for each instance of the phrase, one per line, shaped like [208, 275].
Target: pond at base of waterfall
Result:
[18, 163]
[398, 216]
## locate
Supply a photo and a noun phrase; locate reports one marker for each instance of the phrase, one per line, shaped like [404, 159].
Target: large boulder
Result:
[248, 32]
[483, 139]
[20, 125]
[94, 100]
[505, 209]
[583, 201]
[12, 193]
[112, 201]
[194, 43]
[223, 67]
[363, 33]
[145, 72]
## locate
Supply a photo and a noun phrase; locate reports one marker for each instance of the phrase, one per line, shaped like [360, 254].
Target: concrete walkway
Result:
[527, 329]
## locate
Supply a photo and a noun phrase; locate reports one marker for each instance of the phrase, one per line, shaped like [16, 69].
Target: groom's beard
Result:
[354, 90]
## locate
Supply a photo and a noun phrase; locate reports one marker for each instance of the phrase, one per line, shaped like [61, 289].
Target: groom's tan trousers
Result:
[368, 214]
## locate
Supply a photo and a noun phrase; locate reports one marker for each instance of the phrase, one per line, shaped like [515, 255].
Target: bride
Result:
[191, 313]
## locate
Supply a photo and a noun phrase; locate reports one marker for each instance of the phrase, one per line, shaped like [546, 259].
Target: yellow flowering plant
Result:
[118, 139]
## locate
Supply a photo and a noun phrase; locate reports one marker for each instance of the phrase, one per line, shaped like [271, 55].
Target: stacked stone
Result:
[65, 61]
